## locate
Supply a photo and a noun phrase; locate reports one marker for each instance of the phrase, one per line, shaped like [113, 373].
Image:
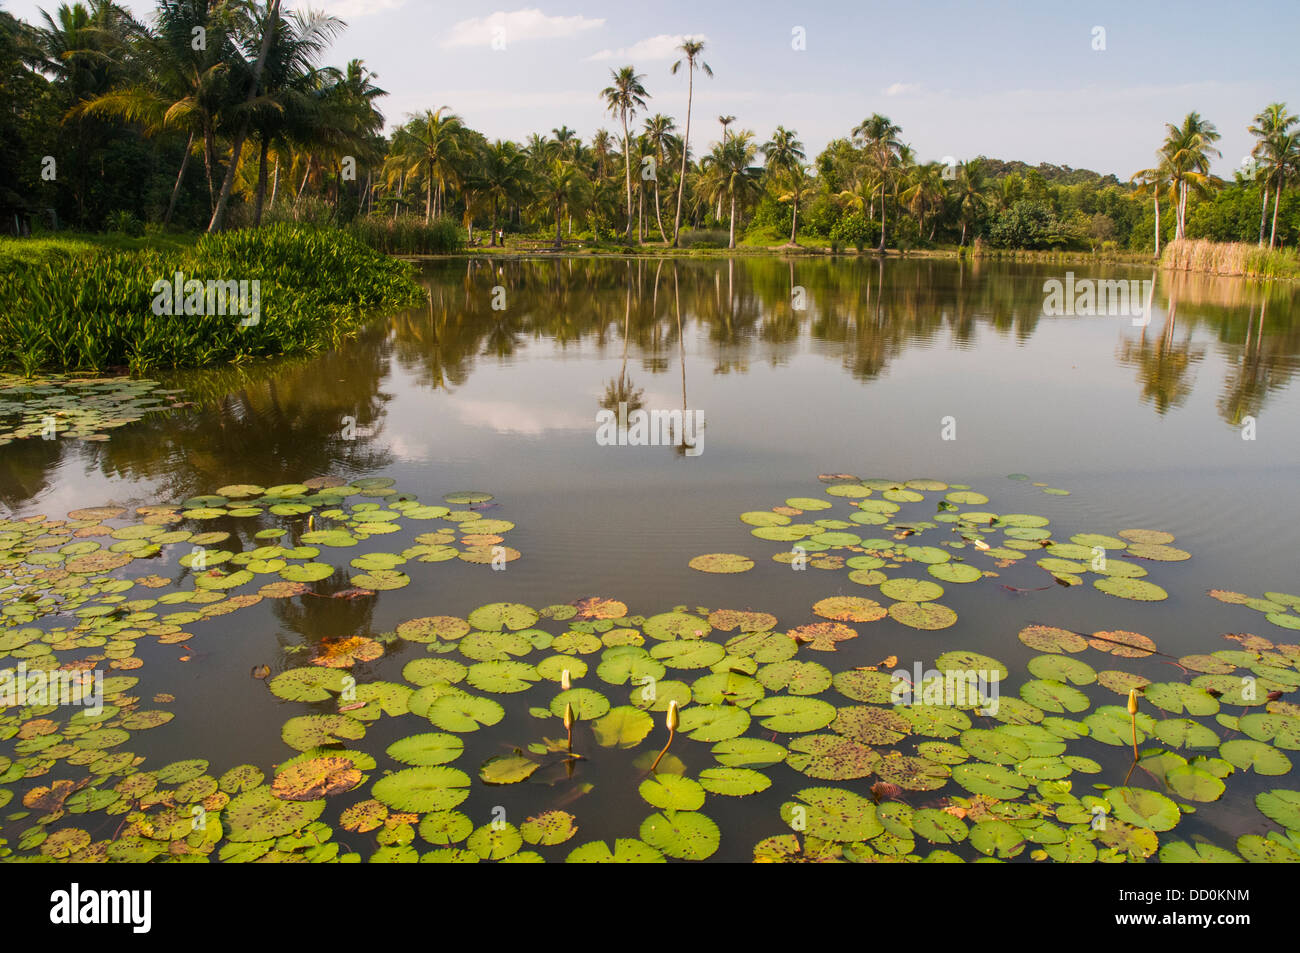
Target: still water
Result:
[903, 369]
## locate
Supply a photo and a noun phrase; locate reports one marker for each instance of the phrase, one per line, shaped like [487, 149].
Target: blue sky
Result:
[1015, 80]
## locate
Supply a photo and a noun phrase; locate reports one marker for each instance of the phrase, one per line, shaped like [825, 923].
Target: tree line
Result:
[222, 112]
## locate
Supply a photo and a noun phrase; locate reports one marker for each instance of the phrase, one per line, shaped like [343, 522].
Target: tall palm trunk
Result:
[268, 34]
[1157, 226]
[627, 172]
[659, 214]
[275, 181]
[1277, 197]
[185, 161]
[794, 225]
[686, 148]
[428, 198]
[884, 214]
[259, 201]
[1263, 215]
[732, 242]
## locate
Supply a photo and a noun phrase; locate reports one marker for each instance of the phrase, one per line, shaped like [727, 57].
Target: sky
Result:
[1083, 84]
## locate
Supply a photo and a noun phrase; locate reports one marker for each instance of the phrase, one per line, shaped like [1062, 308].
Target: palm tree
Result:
[734, 175]
[1152, 182]
[602, 149]
[288, 79]
[1187, 150]
[659, 136]
[267, 28]
[725, 121]
[429, 142]
[624, 98]
[783, 155]
[926, 192]
[562, 188]
[692, 49]
[1275, 146]
[187, 90]
[972, 187]
[1269, 127]
[505, 178]
[879, 137]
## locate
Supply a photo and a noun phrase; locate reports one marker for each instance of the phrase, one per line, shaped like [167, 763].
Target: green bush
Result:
[853, 230]
[97, 311]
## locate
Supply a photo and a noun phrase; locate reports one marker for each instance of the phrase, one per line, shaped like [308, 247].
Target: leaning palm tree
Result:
[430, 144]
[623, 99]
[692, 49]
[1187, 150]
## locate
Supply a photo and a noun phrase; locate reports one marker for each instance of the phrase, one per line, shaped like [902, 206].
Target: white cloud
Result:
[901, 89]
[655, 48]
[516, 26]
[504, 416]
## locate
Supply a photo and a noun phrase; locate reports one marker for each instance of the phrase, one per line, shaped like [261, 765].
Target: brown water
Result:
[1143, 425]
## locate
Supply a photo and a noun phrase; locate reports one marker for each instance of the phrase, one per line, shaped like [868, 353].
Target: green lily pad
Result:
[423, 789]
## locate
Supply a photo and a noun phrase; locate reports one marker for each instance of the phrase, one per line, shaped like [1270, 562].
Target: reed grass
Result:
[1230, 258]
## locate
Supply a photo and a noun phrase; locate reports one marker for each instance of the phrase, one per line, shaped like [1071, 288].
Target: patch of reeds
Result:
[1230, 258]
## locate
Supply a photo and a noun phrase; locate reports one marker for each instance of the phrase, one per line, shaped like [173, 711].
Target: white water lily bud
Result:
[568, 715]
[564, 680]
[672, 715]
[1132, 701]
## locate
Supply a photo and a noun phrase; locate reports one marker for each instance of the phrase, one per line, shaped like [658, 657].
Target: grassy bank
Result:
[1231, 258]
[87, 306]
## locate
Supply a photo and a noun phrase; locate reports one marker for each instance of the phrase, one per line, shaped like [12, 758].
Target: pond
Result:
[1077, 474]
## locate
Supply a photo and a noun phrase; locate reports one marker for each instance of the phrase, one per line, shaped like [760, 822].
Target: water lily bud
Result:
[672, 715]
[1132, 701]
[568, 715]
[564, 680]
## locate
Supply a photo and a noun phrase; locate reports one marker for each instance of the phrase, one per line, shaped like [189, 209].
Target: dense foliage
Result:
[96, 311]
[107, 122]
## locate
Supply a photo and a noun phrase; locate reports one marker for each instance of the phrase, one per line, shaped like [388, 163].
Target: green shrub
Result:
[853, 230]
[96, 311]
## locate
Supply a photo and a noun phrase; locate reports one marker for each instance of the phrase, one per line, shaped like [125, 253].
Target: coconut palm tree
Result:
[692, 50]
[1268, 128]
[182, 89]
[602, 147]
[1272, 129]
[926, 192]
[563, 188]
[623, 98]
[734, 176]
[659, 136]
[972, 190]
[1153, 182]
[288, 85]
[783, 154]
[1187, 150]
[879, 137]
[429, 143]
[267, 26]
[505, 178]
